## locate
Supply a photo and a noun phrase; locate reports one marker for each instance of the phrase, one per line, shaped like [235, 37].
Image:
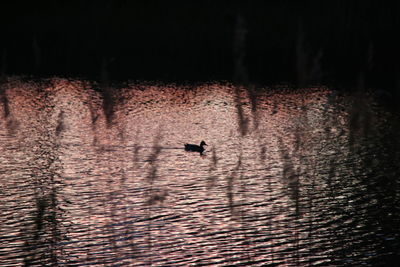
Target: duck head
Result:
[203, 144]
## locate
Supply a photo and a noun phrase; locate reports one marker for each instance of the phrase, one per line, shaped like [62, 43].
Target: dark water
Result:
[289, 178]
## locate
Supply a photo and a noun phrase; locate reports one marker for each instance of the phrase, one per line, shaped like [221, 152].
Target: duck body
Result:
[196, 148]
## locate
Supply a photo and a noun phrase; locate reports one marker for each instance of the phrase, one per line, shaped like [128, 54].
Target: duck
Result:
[196, 148]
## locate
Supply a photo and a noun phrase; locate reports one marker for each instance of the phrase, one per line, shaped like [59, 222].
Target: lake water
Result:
[289, 177]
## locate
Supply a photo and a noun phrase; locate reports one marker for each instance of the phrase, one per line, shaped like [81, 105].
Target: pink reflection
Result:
[127, 191]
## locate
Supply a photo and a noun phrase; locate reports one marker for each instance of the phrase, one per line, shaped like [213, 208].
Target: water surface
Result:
[98, 176]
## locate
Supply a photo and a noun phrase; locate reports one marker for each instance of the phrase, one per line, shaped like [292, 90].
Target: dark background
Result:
[350, 43]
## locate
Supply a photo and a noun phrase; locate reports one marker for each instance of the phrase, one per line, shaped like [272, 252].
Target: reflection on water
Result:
[289, 177]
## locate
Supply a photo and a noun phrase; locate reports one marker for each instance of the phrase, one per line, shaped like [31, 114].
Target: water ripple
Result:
[297, 179]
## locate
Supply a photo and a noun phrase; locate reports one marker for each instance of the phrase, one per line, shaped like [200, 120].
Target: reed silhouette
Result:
[242, 119]
[108, 103]
[60, 123]
[4, 100]
[152, 194]
[212, 178]
[47, 230]
[11, 123]
[291, 175]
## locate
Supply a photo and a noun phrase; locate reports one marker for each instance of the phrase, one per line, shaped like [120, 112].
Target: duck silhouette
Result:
[196, 148]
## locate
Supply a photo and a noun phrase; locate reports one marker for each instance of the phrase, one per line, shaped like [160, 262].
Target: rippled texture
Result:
[289, 178]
